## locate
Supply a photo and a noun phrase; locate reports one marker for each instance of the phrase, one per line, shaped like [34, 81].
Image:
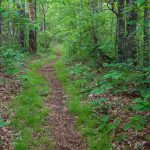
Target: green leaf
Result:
[122, 137]
[6, 14]
[136, 118]
[132, 22]
[143, 122]
[138, 100]
[112, 126]
[138, 107]
[2, 124]
[139, 127]
[127, 126]
[104, 119]
[140, 1]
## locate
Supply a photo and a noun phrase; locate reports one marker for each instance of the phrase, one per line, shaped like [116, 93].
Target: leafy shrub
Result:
[137, 122]
[2, 122]
[80, 71]
[13, 61]
[141, 105]
[44, 42]
[125, 78]
[128, 79]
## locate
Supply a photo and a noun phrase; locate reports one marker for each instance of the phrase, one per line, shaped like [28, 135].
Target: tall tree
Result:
[92, 4]
[21, 11]
[0, 23]
[131, 30]
[22, 29]
[121, 31]
[9, 27]
[32, 32]
[44, 11]
[146, 33]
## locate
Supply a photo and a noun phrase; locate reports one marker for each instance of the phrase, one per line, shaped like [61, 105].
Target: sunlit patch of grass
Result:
[88, 125]
[30, 112]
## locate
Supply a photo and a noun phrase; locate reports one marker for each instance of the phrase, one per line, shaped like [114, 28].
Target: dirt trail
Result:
[63, 123]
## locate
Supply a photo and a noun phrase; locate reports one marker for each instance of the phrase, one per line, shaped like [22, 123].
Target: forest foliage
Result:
[107, 43]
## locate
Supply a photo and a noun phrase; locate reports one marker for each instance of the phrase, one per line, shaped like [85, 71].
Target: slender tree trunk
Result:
[92, 6]
[21, 11]
[96, 51]
[44, 17]
[0, 24]
[22, 28]
[9, 29]
[32, 32]
[100, 6]
[44, 23]
[121, 31]
[146, 34]
[131, 31]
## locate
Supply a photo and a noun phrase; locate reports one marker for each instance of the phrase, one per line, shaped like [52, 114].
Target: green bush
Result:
[13, 61]
[125, 78]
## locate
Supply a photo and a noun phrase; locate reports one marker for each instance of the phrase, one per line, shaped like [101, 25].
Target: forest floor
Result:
[58, 126]
[65, 135]
[8, 87]
[63, 132]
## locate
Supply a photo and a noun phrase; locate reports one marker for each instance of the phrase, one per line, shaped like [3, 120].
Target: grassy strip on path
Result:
[29, 121]
[87, 124]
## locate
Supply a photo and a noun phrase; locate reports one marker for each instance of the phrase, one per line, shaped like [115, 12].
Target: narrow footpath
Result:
[64, 133]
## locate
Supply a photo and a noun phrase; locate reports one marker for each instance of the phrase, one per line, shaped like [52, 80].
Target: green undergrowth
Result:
[13, 60]
[95, 96]
[87, 123]
[30, 112]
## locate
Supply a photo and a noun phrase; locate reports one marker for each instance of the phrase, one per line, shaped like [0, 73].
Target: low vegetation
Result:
[104, 69]
[30, 113]
[108, 110]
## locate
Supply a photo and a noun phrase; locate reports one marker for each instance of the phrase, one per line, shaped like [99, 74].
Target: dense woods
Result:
[104, 69]
[126, 23]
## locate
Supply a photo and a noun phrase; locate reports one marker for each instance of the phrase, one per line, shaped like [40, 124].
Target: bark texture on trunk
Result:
[44, 17]
[92, 5]
[21, 11]
[22, 30]
[32, 33]
[146, 34]
[121, 31]
[32, 42]
[0, 24]
[131, 30]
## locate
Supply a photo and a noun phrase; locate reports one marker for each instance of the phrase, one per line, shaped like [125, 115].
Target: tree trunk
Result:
[131, 31]
[44, 23]
[92, 6]
[96, 51]
[9, 38]
[21, 11]
[121, 31]
[22, 29]
[100, 6]
[146, 35]
[0, 24]
[44, 17]
[32, 32]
